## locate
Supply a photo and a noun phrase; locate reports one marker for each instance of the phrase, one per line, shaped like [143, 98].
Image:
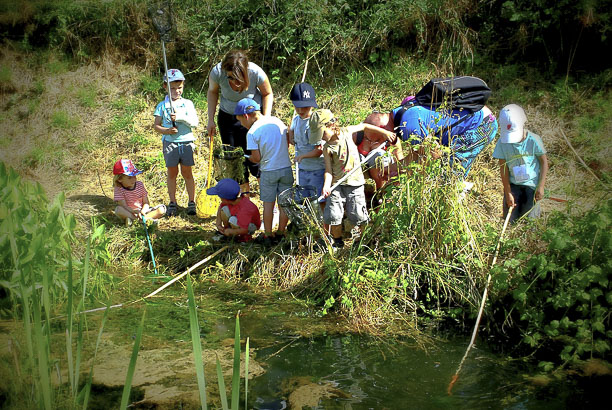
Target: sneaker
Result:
[337, 244]
[264, 240]
[191, 208]
[171, 211]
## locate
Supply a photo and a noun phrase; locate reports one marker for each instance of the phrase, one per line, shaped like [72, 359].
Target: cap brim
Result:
[133, 174]
[511, 137]
[302, 104]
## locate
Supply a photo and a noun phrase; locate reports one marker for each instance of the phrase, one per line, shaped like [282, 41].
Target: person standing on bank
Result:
[231, 80]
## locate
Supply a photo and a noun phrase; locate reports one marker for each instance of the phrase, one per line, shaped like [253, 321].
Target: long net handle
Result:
[210, 159]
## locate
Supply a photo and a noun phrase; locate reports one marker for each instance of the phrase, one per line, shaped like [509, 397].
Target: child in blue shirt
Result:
[311, 165]
[177, 138]
[523, 164]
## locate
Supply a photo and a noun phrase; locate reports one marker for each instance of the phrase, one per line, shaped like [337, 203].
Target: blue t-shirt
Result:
[186, 118]
[522, 159]
[419, 122]
[228, 98]
[269, 136]
[301, 130]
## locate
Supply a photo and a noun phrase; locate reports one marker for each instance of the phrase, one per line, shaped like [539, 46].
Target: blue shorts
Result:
[272, 183]
[524, 203]
[314, 178]
[178, 152]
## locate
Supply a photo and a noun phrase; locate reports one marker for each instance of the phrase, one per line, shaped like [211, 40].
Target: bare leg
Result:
[171, 182]
[187, 173]
[268, 215]
[283, 220]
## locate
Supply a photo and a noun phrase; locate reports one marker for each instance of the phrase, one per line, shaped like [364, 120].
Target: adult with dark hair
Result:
[467, 134]
[231, 80]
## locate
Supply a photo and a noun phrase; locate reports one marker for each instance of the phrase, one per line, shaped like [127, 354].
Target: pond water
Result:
[361, 372]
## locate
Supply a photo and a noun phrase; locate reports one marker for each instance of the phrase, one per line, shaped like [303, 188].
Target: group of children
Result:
[324, 154]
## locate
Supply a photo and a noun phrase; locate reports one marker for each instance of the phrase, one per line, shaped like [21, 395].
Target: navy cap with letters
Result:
[303, 95]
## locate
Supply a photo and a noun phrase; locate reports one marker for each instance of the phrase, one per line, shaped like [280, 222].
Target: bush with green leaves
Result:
[558, 300]
[419, 253]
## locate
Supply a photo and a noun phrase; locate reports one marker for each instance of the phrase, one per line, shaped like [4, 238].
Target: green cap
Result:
[317, 123]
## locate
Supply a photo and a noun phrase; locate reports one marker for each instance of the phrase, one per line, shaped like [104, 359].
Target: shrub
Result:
[559, 300]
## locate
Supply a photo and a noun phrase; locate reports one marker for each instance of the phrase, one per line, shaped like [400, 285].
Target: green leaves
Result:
[564, 296]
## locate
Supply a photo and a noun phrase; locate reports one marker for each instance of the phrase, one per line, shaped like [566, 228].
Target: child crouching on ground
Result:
[131, 196]
[523, 164]
[341, 156]
[237, 216]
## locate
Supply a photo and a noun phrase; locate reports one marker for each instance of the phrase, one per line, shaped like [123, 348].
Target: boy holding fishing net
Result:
[174, 119]
[341, 159]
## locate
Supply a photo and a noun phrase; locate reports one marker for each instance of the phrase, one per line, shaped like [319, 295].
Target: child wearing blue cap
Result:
[237, 216]
[175, 120]
[131, 196]
[267, 140]
[311, 165]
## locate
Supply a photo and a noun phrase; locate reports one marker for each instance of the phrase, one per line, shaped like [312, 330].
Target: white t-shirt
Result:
[269, 136]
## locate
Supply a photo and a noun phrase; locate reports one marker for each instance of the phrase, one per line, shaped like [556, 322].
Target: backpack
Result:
[463, 92]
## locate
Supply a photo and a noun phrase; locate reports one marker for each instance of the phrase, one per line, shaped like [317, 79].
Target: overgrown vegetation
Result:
[556, 301]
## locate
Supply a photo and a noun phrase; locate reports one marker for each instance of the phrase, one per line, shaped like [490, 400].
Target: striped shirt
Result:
[134, 198]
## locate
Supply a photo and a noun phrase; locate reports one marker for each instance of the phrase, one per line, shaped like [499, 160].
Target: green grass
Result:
[88, 96]
[61, 119]
[6, 74]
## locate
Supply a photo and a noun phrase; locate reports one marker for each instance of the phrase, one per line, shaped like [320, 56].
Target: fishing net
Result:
[301, 205]
[161, 15]
[229, 163]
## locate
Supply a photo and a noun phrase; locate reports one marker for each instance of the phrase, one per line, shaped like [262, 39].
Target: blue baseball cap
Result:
[246, 106]
[174, 75]
[227, 188]
[303, 95]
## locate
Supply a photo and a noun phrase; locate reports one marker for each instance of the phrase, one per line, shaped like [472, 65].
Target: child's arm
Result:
[388, 135]
[157, 126]
[505, 177]
[290, 140]
[255, 156]
[315, 153]
[212, 99]
[235, 231]
[327, 181]
[539, 194]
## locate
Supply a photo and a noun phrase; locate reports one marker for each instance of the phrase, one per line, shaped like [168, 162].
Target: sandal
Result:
[171, 211]
[191, 208]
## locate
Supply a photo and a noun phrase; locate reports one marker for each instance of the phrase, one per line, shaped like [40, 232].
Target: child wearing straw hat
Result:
[131, 196]
[237, 216]
[341, 156]
[523, 164]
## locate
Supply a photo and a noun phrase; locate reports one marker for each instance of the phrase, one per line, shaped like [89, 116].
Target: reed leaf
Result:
[130, 374]
[69, 320]
[246, 374]
[42, 350]
[86, 269]
[221, 382]
[236, 370]
[87, 388]
[79, 351]
[196, 342]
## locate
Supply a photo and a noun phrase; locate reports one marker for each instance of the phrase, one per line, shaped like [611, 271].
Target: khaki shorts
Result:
[350, 197]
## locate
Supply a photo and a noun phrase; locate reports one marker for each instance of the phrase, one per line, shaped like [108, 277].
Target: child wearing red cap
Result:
[131, 196]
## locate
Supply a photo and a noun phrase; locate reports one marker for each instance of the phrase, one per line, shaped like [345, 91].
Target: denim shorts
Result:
[351, 197]
[314, 178]
[272, 183]
[178, 152]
